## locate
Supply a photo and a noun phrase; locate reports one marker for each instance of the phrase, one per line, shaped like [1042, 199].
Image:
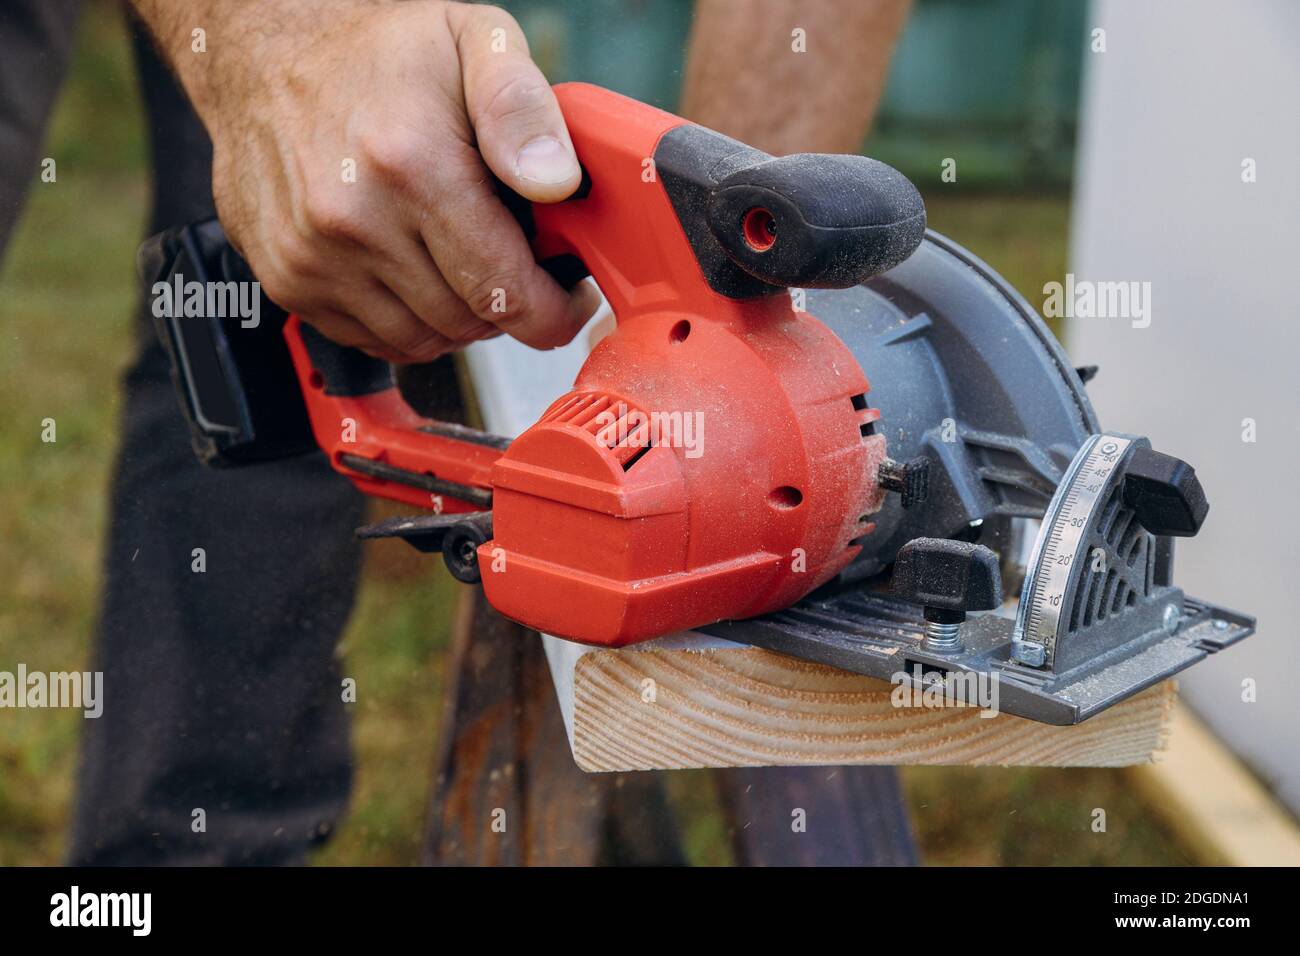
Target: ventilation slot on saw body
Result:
[867, 416]
[620, 427]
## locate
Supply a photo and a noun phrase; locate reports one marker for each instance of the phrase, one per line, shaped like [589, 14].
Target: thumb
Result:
[516, 119]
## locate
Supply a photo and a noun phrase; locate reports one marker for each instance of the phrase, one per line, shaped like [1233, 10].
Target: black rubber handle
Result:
[344, 370]
[759, 224]
[817, 221]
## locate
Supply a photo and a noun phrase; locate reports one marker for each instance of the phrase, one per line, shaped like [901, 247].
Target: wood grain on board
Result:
[691, 701]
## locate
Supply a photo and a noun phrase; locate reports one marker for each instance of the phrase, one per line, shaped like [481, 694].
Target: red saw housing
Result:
[602, 539]
[717, 457]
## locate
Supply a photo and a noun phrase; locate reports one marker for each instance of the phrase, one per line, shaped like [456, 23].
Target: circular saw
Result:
[816, 428]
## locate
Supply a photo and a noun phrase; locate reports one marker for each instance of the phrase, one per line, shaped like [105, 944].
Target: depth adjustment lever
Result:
[910, 479]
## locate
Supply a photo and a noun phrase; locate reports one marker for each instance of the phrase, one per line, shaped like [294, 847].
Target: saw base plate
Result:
[878, 636]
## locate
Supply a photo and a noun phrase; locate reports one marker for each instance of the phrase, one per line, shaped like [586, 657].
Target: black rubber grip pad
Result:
[759, 224]
[346, 371]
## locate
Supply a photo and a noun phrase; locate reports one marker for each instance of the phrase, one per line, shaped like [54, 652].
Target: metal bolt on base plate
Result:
[942, 638]
[1028, 653]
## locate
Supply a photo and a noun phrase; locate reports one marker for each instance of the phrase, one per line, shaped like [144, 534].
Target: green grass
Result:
[67, 292]
[395, 647]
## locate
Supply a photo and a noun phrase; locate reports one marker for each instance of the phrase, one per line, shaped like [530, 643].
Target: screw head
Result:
[1171, 618]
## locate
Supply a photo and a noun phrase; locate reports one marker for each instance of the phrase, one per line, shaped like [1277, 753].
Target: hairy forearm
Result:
[745, 76]
[214, 45]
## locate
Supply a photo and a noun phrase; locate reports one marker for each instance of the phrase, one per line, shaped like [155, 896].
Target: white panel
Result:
[1185, 91]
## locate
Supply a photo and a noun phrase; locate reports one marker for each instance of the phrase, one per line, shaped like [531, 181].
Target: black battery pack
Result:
[224, 338]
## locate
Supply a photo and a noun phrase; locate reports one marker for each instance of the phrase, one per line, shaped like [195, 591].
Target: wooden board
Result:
[693, 701]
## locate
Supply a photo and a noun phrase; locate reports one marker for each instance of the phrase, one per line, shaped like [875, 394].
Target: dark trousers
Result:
[223, 737]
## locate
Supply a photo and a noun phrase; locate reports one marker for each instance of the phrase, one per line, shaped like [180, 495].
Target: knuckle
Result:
[497, 14]
[281, 291]
[489, 16]
[393, 152]
[496, 297]
[283, 288]
[296, 257]
[330, 214]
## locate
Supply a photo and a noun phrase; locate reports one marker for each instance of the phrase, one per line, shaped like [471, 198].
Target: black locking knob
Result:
[947, 578]
[1164, 493]
[910, 479]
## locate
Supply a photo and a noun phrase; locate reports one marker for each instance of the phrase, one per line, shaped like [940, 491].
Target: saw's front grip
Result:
[670, 217]
[373, 437]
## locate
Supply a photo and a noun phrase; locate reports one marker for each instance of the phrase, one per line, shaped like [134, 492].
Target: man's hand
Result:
[354, 146]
